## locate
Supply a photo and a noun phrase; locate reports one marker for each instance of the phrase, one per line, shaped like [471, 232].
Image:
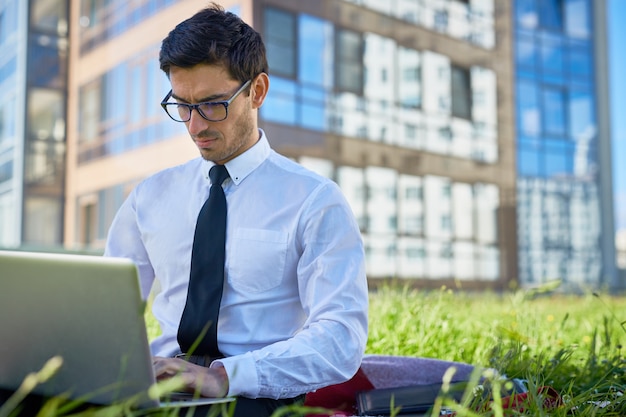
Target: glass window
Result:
[551, 54]
[551, 13]
[461, 93]
[349, 61]
[6, 171]
[49, 16]
[7, 121]
[46, 112]
[441, 20]
[409, 78]
[43, 222]
[8, 69]
[529, 120]
[3, 29]
[526, 13]
[314, 114]
[315, 51]
[47, 61]
[281, 105]
[580, 65]
[45, 150]
[89, 12]
[89, 109]
[529, 157]
[553, 111]
[114, 91]
[582, 120]
[88, 223]
[526, 52]
[578, 18]
[136, 99]
[558, 158]
[154, 77]
[408, 10]
[280, 41]
[381, 202]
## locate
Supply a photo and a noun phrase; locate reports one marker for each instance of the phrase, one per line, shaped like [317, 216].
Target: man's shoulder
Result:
[174, 174]
[297, 171]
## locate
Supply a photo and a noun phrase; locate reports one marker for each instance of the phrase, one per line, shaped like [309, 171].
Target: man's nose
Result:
[196, 123]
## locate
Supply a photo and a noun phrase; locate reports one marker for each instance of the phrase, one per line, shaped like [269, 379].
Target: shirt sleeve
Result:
[333, 293]
[124, 240]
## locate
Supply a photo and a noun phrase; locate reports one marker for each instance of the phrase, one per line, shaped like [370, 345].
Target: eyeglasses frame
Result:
[196, 106]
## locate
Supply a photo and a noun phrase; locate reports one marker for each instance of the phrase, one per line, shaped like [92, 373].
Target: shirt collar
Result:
[240, 167]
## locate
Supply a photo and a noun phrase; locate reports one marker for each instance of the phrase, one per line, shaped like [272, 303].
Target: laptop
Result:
[88, 311]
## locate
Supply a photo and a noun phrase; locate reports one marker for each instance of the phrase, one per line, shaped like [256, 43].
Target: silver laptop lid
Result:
[85, 309]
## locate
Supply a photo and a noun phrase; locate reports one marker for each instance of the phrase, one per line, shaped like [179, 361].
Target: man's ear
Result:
[258, 90]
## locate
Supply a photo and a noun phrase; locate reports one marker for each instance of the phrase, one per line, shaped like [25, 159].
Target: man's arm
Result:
[124, 240]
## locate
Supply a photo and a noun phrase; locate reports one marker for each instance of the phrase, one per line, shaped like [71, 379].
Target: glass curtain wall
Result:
[45, 133]
[9, 128]
[559, 221]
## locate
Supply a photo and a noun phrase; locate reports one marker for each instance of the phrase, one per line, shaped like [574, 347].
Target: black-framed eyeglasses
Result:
[213, 111]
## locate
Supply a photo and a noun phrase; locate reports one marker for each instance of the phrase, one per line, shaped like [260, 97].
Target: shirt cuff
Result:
[242, 376]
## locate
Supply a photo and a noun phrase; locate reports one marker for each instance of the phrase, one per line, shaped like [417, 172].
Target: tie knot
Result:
[218, 173]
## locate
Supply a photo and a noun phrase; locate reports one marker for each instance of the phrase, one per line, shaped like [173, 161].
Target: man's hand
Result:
[208, 382]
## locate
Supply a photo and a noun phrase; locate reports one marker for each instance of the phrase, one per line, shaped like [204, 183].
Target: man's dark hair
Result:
[216, 37]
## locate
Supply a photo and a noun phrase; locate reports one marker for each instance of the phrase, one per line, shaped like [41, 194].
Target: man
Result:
[293, 310]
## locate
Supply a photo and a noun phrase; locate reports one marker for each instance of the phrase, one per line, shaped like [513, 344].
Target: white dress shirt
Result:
[293, 316]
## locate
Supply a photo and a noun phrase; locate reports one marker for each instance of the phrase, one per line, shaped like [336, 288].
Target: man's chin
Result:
[211, 156]
[207, 155]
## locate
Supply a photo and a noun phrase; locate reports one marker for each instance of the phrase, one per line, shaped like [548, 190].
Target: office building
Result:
[564, 188]
[407, 107]
[33, 86]
[412, 106]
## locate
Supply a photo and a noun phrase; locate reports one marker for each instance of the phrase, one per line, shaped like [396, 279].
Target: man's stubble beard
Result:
[243, 129]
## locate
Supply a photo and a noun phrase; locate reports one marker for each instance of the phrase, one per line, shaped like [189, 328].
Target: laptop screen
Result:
[86, 310]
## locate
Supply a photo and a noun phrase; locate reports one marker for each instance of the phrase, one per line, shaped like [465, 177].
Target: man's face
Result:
[224, 140]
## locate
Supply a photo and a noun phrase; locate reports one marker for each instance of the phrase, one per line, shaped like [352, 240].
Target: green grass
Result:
[574, 344]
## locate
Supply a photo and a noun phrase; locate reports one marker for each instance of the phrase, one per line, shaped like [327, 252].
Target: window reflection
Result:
[409, 78]
[45, 144]
[577, 18]
[529, 114]
[348, 61]
[281, 105]
[315, 51]
[377, 94]
[552, 54]
[110, 123]
[47, 61]
[526, 13]
[49, 16]
[525, 53]
[553, 110]
[551, 13]
[44, 223]
[280, 35]
[582, 124]
[471, 21]
[461, 92]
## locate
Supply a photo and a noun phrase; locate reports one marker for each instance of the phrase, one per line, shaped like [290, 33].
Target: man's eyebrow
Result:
[214, 97]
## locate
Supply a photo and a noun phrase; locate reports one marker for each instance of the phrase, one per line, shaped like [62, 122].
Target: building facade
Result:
[412, 106]
[565, 216]
[33, 85]
[407, 107]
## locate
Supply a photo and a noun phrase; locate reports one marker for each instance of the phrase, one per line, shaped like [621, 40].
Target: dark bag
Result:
[411, 400]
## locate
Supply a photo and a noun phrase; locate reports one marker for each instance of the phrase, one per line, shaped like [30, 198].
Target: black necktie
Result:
[199, 320]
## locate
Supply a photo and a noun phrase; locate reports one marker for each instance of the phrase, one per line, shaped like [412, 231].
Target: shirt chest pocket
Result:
[257, 259]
